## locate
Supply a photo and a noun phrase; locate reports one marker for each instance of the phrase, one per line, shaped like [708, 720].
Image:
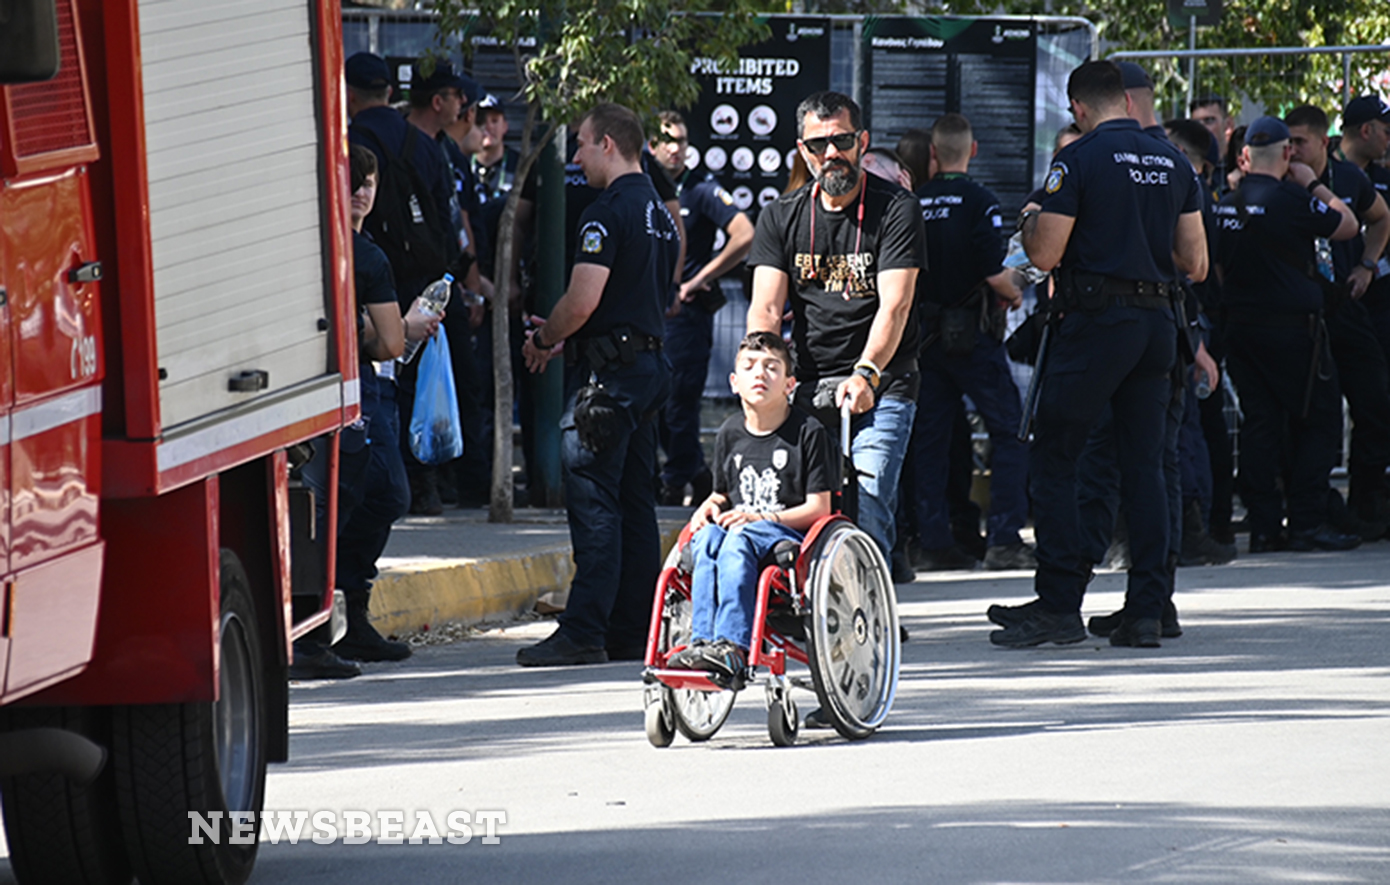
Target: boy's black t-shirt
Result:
[762, 474]
[834, 275]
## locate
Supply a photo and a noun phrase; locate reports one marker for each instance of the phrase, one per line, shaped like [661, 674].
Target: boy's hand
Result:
[706, 513]
[735, 518]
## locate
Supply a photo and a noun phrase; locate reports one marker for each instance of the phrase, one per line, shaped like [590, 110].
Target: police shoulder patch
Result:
[724, 196]
[1055, 176]
[591, 237]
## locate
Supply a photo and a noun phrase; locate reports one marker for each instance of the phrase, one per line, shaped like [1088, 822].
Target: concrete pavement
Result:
[1249, 750]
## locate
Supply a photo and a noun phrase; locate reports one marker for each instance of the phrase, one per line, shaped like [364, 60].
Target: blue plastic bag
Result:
[436, 435]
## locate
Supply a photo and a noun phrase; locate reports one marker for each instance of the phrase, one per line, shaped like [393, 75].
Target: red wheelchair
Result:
[827, 603]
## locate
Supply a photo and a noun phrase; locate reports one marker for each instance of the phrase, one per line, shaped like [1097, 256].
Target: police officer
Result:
[1365, 137]
[610, 319]
[1121, 219]
[963, 353]
[1361, 365]
[708, 213]
[845, 250]
[1277, 341]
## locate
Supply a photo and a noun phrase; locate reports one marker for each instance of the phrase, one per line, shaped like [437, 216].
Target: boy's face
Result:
[760, 377]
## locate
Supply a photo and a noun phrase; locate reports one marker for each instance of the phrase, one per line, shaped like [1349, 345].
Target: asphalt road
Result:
[1252, 749]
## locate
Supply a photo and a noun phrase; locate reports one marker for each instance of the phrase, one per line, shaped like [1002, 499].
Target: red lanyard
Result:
[858, 238]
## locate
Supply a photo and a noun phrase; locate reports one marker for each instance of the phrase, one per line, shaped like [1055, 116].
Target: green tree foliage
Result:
[1273, 83]
[571, 55]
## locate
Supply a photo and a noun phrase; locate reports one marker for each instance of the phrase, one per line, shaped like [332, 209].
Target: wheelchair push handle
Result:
[845, 416]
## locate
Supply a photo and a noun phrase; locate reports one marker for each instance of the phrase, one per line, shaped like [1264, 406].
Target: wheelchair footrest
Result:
[695, 680]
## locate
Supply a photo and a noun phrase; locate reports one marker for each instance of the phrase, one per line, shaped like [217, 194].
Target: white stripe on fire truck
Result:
[248, 426]
[31, 420]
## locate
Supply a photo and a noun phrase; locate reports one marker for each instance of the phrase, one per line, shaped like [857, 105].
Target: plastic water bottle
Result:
[432, 302]
[1324, 251]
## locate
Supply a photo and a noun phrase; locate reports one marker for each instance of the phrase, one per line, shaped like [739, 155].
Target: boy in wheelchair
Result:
[772, 481]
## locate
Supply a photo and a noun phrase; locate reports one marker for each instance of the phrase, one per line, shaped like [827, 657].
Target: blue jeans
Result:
[879, 442]
[611, 504]
[724, 585]
[984, 376]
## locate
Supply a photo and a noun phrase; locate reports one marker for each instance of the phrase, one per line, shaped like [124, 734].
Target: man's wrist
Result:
[538, 344]
[870, 372]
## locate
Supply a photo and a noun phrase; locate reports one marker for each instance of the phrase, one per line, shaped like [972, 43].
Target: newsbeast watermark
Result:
[392, 827]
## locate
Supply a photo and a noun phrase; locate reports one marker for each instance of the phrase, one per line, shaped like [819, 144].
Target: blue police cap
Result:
[367, 72]
[1135, 76]
[445, 77]
[1266, 131]
[1364, 110]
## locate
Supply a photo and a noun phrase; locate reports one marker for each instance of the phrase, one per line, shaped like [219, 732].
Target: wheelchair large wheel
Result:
[698, 714]
[852, 631]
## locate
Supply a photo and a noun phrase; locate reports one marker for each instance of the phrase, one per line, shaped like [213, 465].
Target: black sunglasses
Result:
[843, 142]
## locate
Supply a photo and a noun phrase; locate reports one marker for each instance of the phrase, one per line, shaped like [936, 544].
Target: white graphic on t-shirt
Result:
[759, 491]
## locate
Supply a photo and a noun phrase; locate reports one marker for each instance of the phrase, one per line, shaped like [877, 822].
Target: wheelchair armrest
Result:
[785, 552]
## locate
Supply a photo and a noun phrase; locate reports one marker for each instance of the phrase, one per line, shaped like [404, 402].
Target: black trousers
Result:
[1365, 382]
[1270, 368]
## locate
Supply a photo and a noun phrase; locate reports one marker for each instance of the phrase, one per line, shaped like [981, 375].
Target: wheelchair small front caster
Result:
[782, 723]
[660, 731]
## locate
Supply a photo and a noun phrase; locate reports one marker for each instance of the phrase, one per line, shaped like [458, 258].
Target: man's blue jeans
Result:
[879, 445]
[724, 585]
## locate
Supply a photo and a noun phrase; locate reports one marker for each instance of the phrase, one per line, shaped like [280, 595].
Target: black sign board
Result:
[1181, 13]
[916, 69]
[743, 127]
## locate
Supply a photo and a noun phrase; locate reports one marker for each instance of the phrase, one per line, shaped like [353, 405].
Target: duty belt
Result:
[617, 347]
[1138, 293]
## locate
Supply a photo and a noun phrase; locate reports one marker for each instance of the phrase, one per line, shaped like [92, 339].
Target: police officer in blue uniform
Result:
[1365, 139]
[1361, 365]
[610, 319]
[1277, 340]
[963, 353]
[708, 213]
[1121, 219]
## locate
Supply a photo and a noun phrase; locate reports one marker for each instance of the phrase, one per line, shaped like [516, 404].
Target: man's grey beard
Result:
[839, 179]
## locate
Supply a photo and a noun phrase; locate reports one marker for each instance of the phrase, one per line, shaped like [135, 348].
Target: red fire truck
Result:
[175, 324]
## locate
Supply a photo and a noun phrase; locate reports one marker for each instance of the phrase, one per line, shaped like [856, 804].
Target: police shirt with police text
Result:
[763, 473]
[1125, 189]
[834, 275]
[1266, 251]
[628, 230]
[965, 237]
[706, 209]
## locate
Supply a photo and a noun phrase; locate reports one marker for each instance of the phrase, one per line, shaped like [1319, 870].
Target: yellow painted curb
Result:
[410, 596]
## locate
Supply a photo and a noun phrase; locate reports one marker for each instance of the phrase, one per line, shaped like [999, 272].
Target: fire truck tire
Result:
[58, 832]
[174, 759]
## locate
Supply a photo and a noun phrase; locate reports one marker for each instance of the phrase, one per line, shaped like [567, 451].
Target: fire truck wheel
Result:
[58, 832]
[206, 758]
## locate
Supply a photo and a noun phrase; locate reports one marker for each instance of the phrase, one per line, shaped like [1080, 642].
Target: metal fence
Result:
[1267, 80]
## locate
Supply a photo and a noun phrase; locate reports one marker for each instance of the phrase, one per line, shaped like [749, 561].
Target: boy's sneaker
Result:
[723, 658]
[686, 657]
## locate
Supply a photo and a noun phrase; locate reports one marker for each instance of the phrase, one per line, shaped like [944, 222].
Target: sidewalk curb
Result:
[466, 590]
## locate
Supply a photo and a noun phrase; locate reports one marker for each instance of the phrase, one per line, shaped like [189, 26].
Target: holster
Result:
[1081, 292]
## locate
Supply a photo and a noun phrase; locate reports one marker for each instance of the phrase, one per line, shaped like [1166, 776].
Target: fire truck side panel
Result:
[235, 215]
[53, 617]
[157, 627]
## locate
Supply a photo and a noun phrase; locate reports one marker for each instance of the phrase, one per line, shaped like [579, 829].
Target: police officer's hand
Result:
[689, 290]
[420, 325]
[1203, 364]
[1358, 280]
[535, 358]
[858, 391]
[1301, 174]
